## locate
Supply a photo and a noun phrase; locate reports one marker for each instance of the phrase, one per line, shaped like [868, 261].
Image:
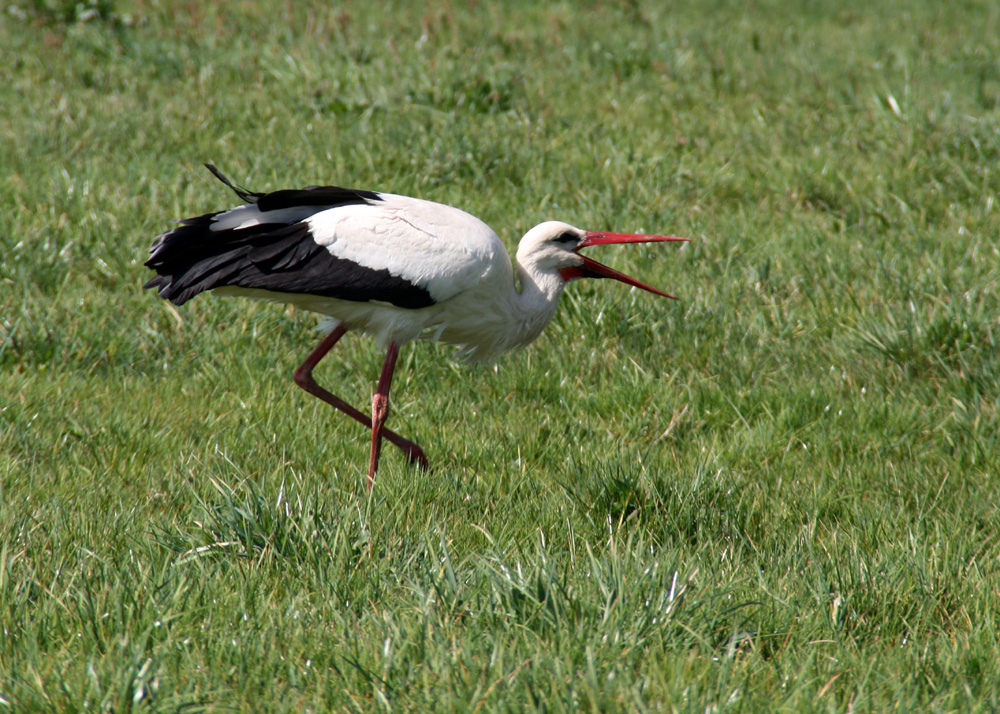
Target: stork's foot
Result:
[415, 456]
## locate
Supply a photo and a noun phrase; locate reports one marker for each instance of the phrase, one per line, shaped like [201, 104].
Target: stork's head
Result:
[554, 246]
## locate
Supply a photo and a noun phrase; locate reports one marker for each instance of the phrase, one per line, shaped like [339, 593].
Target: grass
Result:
[779, 493]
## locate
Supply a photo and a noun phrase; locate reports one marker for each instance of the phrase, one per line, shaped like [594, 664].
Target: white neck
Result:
[505, 318]
[534, 306]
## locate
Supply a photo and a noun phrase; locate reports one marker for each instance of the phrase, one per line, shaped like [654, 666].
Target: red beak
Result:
[593, 269]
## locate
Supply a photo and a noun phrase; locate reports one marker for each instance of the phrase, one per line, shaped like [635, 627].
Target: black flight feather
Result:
[276, 257]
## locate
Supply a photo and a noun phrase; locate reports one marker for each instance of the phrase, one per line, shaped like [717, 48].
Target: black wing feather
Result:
[276, 257]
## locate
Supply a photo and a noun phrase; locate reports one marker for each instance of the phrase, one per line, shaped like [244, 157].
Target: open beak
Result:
[593, 269]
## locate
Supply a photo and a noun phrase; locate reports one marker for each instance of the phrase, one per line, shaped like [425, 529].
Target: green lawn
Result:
[780, 493]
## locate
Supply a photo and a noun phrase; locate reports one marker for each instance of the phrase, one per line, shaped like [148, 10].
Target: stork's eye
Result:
[566, 237]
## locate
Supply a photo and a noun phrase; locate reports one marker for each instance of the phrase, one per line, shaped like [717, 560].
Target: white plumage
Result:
[415, 240]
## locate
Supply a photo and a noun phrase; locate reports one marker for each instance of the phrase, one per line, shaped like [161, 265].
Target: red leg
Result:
[304, 378]
[380, 410]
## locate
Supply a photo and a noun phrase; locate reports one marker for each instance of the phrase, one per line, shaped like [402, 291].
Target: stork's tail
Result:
[244, 194]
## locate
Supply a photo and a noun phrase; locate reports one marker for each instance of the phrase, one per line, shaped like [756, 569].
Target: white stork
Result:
[394, 268]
